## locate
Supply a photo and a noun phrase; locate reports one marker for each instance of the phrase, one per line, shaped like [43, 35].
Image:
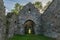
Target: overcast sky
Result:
[9, 4]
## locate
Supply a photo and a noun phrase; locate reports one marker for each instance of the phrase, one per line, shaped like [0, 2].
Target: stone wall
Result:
[12, 26]
[2, 21]
[51, 20]
[29, 12]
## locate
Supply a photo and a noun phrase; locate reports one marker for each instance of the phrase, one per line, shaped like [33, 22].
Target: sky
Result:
[9, 4]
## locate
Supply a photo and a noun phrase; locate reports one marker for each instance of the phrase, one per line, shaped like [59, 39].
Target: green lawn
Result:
[30, 37]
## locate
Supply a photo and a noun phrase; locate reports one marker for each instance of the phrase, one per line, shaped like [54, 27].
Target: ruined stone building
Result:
[48, 23]
[30, 21]
[29, 17]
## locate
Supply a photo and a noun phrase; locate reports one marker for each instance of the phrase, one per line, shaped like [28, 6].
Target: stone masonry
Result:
[12, 27]
[2, 20]
[29, 12]
[51, 20]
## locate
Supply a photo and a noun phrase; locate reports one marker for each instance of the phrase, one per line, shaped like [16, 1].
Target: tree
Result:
[17, 8]
[38, 5]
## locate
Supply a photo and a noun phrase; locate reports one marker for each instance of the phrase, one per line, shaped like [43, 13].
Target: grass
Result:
[30, 37]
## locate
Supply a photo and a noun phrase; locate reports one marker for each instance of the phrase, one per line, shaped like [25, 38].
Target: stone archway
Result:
[29, 27]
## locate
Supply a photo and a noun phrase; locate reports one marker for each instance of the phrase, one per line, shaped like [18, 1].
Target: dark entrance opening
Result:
[29, 27]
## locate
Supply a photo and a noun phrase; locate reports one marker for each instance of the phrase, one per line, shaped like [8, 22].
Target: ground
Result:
[30, 37]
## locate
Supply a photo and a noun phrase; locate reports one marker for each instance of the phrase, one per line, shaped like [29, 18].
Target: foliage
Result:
[17, 8]
[38, 5]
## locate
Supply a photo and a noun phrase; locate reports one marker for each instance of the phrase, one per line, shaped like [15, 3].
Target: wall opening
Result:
[29, 27]
[29, 10]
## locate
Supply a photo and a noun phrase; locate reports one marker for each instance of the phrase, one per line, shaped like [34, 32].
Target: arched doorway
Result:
[29, 27]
